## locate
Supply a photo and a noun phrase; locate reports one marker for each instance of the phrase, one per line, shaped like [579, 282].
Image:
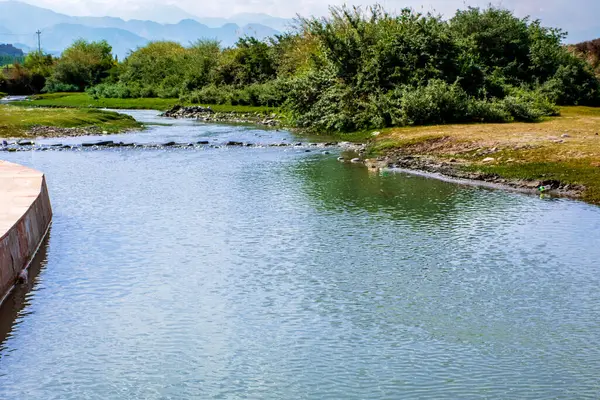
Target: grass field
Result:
[83, 100]
[16, 121]
[564, 148]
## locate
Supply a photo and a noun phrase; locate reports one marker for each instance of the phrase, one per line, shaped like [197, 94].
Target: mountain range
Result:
[19, 21]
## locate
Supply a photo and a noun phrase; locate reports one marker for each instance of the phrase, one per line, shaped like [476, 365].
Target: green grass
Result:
[575, 172]
[564, 148]
[84, 100]
[16, 121]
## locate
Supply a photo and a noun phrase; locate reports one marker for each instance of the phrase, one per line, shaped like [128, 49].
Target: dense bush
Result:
[359, 69]
[82, 65]
[271, 94]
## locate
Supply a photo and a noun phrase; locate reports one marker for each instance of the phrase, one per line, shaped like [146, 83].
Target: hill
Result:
[10, 50]
[19, 21]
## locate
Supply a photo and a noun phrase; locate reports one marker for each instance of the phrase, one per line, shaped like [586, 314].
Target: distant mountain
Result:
[161, 13]
[62, 36]
[279, 24]
[60, 30]
[10, 50]
[22, 18]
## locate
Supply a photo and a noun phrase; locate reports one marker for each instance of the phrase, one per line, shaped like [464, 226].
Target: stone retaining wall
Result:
[25, 216]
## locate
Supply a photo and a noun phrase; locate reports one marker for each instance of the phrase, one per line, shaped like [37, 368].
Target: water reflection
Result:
[19, 298]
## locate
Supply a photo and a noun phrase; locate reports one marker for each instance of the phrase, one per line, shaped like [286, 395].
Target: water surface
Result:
[272, 273]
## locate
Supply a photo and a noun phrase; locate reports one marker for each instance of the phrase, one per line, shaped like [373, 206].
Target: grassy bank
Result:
[17, 121]
[564, 149]
[84, 100]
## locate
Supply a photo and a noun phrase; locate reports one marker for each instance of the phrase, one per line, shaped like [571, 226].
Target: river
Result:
[277, 273]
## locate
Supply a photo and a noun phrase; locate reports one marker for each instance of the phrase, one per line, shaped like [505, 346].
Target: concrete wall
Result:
[25, 216]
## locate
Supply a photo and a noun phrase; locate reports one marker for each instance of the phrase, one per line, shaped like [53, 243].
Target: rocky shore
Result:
[55, 132]
[207, 114]
[29, 145]
[457, 171]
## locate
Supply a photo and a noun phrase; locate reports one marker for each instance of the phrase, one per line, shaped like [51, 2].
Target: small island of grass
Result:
[24, 122]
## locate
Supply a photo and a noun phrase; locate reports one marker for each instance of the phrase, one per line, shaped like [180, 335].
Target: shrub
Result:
[528, 106]
[436, 103]
[82, 65]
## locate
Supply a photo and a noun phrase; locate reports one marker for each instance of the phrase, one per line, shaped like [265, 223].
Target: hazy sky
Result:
[586, 10]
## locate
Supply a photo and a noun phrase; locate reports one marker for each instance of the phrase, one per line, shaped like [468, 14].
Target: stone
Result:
[169, 144]
[356, 160]
[203, 142]
[25, 143]
[489, 160]
[233, 143]
[565, 136]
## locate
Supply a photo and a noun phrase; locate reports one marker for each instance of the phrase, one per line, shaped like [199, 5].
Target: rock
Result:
[203, 142]
[25, 143]
[375, 133]
[565, 136]
[232, 143]
[169, 144]
[326, 153]
[342, 159]
[104, 132]
[453, 160]
[356, 160]
[489, 160]
[105, 143]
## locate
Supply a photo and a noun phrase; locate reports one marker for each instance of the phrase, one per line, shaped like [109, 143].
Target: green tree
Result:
[250, 61]
[82, 65]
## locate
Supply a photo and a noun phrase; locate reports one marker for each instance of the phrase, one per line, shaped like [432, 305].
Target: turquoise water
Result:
[273, 273]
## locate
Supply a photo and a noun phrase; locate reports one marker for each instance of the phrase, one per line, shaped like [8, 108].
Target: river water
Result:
[276, 273]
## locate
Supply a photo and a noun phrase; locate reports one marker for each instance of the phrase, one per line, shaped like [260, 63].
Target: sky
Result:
[584, 9]
[579, 16]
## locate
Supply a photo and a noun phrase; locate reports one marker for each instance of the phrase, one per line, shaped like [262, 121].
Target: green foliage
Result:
[270, 94]
[358, 69]
[82, 65]
[10, 60]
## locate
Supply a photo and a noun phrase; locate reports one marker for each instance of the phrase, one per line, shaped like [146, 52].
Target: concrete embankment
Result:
[25, 216]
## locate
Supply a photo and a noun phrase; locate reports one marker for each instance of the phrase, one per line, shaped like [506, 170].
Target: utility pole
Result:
[39, 34]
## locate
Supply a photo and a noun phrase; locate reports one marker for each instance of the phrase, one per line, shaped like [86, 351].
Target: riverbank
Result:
[28, 122]
[84, 100]
[559, 155]
[25, 215]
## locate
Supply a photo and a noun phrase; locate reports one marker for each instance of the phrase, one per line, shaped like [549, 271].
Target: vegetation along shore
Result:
[484, 94]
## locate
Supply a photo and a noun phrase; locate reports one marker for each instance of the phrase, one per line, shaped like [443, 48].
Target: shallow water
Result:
[275, 273]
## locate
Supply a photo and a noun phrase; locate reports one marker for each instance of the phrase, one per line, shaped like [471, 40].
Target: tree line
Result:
[355, 69]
